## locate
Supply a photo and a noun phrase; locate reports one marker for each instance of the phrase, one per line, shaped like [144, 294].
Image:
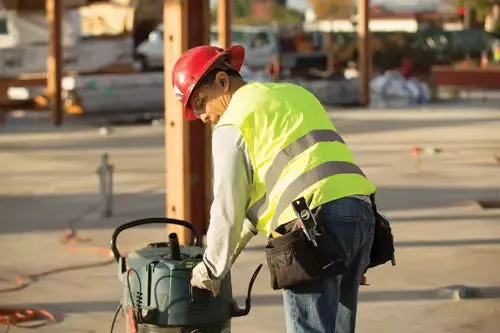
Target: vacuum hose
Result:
[175, 249]
[236, 311]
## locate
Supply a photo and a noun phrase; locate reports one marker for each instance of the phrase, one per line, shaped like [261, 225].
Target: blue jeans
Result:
[329, 305]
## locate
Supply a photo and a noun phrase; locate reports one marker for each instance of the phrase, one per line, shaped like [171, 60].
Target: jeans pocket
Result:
[346, 232]
[343, 219]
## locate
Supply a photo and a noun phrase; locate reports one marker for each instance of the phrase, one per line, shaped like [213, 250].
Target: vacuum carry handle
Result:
[151, 220]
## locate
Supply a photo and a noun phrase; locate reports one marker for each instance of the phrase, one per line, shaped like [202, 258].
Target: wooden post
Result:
[364, 52]
[187, 144]
[54, 61]
[224, 23]
[200, 144]
[176, 128]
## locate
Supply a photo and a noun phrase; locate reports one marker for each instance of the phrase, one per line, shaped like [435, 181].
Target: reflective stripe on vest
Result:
[305, 180]
[310, 178]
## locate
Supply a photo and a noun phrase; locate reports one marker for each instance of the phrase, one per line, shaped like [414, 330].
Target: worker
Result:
[272, 143]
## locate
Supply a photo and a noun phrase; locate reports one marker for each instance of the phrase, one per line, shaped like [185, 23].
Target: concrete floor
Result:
[48, 182]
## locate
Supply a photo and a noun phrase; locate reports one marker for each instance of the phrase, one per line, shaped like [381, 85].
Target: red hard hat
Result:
[194, 64]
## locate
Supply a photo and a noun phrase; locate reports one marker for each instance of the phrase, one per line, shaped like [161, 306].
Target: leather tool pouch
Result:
[293, 259]
[383, 240]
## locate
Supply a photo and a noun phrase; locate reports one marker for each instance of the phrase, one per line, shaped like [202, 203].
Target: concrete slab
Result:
[48, 182]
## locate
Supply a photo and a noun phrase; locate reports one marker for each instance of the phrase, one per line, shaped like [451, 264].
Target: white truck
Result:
[261, 43]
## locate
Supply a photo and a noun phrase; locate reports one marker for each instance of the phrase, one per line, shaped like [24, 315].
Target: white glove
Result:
[201, 274]
[247, 233]
[201, 279]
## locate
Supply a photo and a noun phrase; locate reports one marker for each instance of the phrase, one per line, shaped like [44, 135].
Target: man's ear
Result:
[222, 79]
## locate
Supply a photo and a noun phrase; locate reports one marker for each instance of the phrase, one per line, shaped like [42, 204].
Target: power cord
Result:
[117, 311]
[113, 322]
[139, 312]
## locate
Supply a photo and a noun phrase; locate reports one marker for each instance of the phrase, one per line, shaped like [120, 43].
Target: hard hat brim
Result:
[236, 58]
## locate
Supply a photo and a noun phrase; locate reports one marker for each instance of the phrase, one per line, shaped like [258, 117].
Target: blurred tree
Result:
[280, 14]
[285, 14]
[239, 8]
[241, 13]
[324, 9]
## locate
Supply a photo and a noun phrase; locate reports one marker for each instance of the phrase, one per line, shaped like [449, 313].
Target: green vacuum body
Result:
[158, 296]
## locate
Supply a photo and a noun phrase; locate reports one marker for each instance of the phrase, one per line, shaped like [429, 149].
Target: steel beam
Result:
[364, 52]
[54, 61]
[186, 24]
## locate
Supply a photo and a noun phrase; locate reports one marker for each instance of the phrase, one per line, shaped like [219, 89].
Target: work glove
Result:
[202, 279]
[246, 234]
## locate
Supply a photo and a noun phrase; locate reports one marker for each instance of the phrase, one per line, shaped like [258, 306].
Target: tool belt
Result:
[382, 249]
[293, 259]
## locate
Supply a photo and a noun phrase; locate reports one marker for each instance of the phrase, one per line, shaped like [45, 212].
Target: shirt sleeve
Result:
[231, 189]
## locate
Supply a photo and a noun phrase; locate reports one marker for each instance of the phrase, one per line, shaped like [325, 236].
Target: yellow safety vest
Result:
[295, 151]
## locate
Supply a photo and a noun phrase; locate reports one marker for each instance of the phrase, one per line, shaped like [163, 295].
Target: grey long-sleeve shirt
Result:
[232, 178]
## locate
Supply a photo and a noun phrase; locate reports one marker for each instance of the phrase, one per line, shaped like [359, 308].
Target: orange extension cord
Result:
[35, 318]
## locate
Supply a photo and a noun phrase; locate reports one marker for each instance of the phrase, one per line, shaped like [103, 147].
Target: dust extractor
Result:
[157, 294]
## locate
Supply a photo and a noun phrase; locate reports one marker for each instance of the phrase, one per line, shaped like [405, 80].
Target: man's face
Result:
[208, 100]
